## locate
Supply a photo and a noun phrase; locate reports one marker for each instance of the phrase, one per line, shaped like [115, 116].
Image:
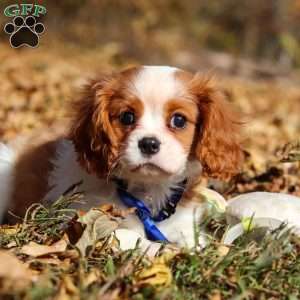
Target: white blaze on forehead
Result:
[157, 84]
[154, 86]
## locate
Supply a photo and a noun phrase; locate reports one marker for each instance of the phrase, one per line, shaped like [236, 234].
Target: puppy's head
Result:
[147, 123]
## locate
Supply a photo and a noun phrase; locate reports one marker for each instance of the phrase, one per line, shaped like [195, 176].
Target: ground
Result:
[36, 86]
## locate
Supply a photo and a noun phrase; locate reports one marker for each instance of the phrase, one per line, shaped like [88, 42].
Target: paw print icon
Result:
[24, 32]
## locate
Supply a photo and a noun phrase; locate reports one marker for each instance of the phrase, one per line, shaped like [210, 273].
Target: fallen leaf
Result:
[10, 245]
[223, 250]
[211, 197]
[47, 260]
[111, 295]
[113, 211]
[9, 230]
[69, 285]
[158, 274]
[70, 254]
[99, 225]
[63, 295]
[216, 295]
[74, 230]
[91, 277]
[13, 273]
[36, 250]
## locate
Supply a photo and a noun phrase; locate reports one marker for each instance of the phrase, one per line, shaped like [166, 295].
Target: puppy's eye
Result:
[127, 118]
[178, 121]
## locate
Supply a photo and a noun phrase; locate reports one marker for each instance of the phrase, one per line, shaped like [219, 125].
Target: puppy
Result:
[149, 131]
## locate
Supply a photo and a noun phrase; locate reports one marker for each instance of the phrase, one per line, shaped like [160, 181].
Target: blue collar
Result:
[144, 213]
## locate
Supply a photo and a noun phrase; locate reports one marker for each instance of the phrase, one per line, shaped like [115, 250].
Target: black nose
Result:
[149, 145]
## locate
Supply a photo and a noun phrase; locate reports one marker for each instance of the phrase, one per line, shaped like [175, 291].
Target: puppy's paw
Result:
[128, 240]
[181, 228]
[188, 238]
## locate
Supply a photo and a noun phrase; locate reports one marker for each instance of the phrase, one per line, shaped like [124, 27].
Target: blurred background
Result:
[253, 47]
[188, 33]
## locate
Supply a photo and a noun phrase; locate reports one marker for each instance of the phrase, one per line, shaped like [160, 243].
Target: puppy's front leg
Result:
[129, 238]
[180, 227]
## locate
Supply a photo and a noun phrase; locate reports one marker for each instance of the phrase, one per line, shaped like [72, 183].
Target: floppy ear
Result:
[91, 131]
[216, 143]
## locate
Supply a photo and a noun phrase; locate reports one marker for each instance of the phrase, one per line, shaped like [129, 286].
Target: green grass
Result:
[44, 224]
[256, 267]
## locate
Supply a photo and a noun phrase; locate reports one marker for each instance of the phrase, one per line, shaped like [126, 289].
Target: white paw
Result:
[180, 228]
[129, 238]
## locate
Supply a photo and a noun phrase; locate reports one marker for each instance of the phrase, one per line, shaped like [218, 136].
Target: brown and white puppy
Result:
[151, 126]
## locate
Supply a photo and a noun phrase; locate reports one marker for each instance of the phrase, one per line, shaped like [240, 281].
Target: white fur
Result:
[181, 228]
[7, 159]
[67, 172]
[128, 239]
[154, 86]
[157, 84]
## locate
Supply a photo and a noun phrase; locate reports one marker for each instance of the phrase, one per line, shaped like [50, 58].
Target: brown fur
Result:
[91, 132]
[31, 177]
[216, 142]
[96, 132]
[190, 111]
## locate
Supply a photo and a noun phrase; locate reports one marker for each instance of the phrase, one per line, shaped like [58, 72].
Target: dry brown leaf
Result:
[70, 254]
[9, 230]
[223, 250]
[10, 245]
[47, 260]
[36, 250]
[99, 225]
[91, 277]
[69, 285]
[158, 274]
[111, 295]
[113, 211]
[13, 273]
[216, 295]
[62, 295]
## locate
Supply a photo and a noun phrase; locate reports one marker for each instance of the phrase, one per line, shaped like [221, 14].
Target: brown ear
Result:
[216, 143]
[91, 131]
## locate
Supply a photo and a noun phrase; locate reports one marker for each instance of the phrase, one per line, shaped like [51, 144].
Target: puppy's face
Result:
[147, 123]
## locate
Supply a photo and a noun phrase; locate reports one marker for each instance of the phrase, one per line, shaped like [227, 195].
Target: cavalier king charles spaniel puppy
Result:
[148, 133]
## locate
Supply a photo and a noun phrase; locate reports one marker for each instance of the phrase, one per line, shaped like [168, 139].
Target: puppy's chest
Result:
[154, 196]
[103, 192]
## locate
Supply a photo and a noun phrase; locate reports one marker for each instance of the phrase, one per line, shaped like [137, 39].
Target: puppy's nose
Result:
[149, 145]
